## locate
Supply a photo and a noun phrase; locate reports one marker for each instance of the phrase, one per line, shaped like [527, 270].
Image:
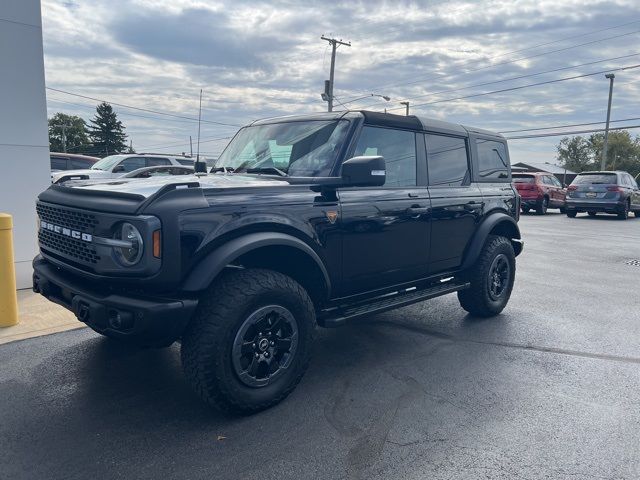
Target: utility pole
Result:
[64, 127]
[406, 104]
[335, 43]
[191, 146]
[603, 162]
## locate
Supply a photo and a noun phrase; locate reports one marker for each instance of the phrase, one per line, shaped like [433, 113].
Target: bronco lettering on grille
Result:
[67, 232]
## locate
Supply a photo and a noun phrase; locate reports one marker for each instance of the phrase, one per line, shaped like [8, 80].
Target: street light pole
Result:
[406, 104]
[603, 162]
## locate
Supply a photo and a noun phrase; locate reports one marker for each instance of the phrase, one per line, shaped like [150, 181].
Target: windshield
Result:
[595, 178]
[107, 163]
[302, 149]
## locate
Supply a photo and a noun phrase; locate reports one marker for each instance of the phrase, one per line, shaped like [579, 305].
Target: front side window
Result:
[447, 160]
[492, 160]
[131, 164]
[398, 147]
[302, 149]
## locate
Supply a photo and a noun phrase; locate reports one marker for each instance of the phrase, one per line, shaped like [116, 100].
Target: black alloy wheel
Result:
[264, 346]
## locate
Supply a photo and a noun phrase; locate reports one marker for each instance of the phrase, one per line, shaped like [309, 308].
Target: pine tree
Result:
[107, 132]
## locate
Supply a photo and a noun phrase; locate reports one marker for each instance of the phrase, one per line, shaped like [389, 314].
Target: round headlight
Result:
[129, 255]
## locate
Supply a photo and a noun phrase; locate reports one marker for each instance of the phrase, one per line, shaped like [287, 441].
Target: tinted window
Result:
[524, 179]
[58, 163]
[603, 178]
[187, 162]
[492, 160]
[556, 182]
[398, 147]
[78, 163]
[133, 163]
[154, 162]
[447, 160]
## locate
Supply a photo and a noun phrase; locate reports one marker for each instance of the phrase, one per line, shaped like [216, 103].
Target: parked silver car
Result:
[115, 166]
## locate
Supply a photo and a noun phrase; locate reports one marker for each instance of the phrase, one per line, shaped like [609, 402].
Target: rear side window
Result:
[187, 162]
[596, 178]
[398, 147]
[447, 160]
[155, 162]
[524, 179]
[58, 163]
[493, 163]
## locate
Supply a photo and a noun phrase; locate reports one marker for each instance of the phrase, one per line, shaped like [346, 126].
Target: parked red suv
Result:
[539, 191]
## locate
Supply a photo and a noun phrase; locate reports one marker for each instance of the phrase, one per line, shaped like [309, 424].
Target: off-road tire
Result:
[637, 213]
[476, 299]
[208, 340]
[525, 210]
[563, 210]
[541, 209]
[571, 213]
[592, 214]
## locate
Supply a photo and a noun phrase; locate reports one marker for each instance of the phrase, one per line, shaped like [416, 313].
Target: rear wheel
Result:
[624, 214]
[541, 209]
[563, 210]
[571, 213]
[491, 279]
[249, 343]
[592, 214]
[525, 210]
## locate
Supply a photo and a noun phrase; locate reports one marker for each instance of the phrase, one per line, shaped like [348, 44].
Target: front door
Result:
[386, 230]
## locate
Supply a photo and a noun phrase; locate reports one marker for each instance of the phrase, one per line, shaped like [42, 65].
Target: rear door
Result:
[456, 202]
[635, 194]
[386, 230]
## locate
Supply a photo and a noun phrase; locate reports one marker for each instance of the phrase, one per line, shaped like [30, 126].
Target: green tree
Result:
[575, 153]
[107, 132]
[623, 151]
[68, 133]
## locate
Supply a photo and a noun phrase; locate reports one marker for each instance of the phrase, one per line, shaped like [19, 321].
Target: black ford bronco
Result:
[304, 221]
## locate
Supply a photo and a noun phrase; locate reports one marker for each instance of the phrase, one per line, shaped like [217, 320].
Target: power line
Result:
[382, 87]
[567, 126]
[522, 86]
[162, 146]
[510, 79]
[156, 112]
[577, 132]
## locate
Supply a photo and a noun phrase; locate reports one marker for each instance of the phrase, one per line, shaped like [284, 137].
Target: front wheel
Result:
[491, 279]
[624, 214]
[249, 342]
[571, 213]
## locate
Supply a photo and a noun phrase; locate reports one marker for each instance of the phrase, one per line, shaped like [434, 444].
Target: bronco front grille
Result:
[84, 222]
[72, 248]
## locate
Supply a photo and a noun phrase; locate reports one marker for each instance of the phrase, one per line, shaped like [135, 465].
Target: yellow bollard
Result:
[8, 296]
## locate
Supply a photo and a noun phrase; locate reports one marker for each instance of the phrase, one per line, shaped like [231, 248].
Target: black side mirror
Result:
[118, 169]
[364, 172]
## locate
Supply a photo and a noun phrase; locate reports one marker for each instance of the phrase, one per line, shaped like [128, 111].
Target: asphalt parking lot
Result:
[549, 389]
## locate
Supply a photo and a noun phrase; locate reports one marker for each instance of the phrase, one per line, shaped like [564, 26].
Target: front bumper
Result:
[146, 320]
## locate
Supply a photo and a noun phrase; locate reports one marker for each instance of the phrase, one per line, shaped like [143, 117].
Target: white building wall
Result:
[24, 144]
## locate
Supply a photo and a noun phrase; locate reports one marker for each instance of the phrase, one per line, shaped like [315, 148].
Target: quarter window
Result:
[58, 163]
[398, 147]
[492, 160]
[447, 160]
[155, 162]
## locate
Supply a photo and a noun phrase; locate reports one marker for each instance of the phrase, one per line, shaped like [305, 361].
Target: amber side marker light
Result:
[157, 244]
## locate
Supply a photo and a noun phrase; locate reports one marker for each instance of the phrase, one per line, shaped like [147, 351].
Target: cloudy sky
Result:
[256, 59]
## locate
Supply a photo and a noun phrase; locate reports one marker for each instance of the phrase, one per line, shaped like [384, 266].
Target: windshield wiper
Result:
[272, 170]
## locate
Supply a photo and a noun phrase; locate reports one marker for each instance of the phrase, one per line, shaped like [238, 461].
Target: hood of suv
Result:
[88, 172]
[148, 186]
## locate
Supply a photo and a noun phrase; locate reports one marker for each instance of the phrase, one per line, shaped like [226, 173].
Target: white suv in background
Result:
[115, 166]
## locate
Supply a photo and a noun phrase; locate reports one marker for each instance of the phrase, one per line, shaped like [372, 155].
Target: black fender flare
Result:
[212, 264]
[483, 231]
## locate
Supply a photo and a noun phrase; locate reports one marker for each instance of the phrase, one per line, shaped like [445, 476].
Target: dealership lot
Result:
[548, 389]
